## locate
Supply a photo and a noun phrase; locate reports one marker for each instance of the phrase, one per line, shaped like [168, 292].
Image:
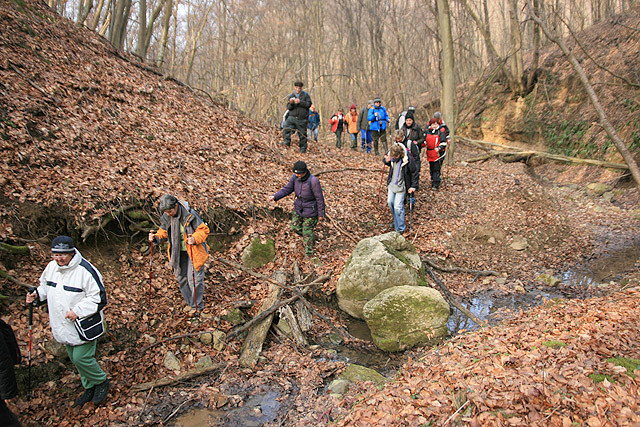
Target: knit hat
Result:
[409, 115]
[353, 107]
[370, 102]
[167, 202]
[298, 84]
[376, 100]
[62, 245]
[437, 115]
[300, 167]
[411, 109]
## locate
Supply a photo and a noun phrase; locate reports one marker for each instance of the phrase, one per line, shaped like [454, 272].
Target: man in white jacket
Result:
[75, 296]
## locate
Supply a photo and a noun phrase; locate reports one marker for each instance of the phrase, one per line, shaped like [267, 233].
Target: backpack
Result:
[432, 141]
[6, 334]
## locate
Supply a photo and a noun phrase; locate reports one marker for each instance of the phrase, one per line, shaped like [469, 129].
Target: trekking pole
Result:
[193, 277]
[150, 272]
[29, 354]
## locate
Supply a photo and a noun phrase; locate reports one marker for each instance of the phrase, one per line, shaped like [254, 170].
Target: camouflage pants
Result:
[304, 227]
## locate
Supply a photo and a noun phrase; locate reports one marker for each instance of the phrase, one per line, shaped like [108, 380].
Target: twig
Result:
[456, 413]
[176, 411]
[182, 377]
[33, 84]
[145, 404]
[344, 169]
[334, 224]
[6, 275]
[460, 270]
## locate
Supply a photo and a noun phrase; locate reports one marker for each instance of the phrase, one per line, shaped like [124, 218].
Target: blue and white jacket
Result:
[76, 286]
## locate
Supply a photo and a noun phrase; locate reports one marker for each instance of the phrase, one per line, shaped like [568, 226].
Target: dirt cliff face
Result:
[557, 114]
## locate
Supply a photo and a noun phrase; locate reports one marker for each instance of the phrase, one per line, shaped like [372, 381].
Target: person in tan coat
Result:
[352, 126]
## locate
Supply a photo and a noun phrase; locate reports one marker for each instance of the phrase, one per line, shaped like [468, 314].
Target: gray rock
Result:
[354, 373]
[171, 362]
[377, 263]
[204, 362]
[234, 316]
[501, 280]
[219, 340]
[258, 253]
[206, 338]
[548, 279]
[338, 387]
[598, 188]
[608, 196]
[404, 316]
[519, 243]
[58, 350]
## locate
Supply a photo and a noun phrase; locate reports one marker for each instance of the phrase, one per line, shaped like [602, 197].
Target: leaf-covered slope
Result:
[83, 127]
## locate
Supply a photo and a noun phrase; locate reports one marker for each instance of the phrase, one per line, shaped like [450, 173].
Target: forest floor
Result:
[506, 373]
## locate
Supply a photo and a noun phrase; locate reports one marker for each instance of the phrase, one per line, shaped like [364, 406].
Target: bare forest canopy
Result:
[248, 52]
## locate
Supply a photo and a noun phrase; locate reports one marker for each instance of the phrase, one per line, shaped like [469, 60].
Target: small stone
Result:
[548, 279]
[235, 317]
[501, 280]
[171, 362]
[491, 240]
[608, 196]
[58, 350]
[206, 338]
[519, 243]
[149, 338]
[486, 281]
[332, 353]
[519, 289]
[219, 340]
[335, 339]
[338, 387]
[204, 362]
[598, 188]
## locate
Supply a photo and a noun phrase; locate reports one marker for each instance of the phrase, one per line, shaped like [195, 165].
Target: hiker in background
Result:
[434, 135]
[308, 204]
[378, 119]
[314, 123]
[9, 356]
[445, 141]
[352, 126]
[401, 117]
[188, 250]
[402, 179]
[284, 119]
[413, 138]
[338, 126]
[75, 297]
[363, 126]
[298, 104]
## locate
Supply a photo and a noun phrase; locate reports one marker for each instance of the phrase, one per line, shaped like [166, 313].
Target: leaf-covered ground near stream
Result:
[85, 133]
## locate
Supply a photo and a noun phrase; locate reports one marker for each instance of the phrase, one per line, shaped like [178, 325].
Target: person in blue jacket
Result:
[378, 119]
[314, 122]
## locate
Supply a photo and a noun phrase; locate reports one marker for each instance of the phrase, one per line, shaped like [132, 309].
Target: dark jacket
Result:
[9, 356]
[410, 172]
[363, 122]
[309, 198]
[301, 110]
[413, 134]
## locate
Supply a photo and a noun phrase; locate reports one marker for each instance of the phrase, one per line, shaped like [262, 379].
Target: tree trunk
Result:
[164, 35]
[516, 49]
[448, 73]
[604, 120]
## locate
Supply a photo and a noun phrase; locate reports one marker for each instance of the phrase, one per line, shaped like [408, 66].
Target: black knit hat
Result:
[409, 115]
[62, 245]
[300, 167]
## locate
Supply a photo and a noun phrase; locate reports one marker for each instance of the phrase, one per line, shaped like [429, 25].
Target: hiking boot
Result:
[101, 392]
[84, 397]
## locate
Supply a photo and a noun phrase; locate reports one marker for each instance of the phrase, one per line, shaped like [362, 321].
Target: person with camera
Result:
[298, 104]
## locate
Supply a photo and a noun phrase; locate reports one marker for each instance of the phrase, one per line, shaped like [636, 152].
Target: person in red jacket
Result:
[434, 136]
[337, 126]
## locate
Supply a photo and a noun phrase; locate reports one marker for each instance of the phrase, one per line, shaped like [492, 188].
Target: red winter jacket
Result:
[433, 143]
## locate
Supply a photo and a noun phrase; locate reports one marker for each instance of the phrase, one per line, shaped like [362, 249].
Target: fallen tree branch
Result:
[45, 93]
[178, 378]
[87, 230]
[459, 269]
[517, 154]
[450, 298]
[14, 249]
[335, 225]
[7, 276]
[343, 170]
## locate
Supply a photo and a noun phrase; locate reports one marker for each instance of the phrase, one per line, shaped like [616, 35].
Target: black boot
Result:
[101, 392]
[85, 397]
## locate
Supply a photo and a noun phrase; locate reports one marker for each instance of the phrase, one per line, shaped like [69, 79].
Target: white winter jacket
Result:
[76, 286]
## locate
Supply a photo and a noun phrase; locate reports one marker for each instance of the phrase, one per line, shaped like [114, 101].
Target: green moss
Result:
[258, 253]
[554, 344]
[598, 378]
[355, 373]
[629, 364]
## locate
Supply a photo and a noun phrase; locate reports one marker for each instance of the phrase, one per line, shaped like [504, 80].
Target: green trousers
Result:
[304, 227]
[83, 357]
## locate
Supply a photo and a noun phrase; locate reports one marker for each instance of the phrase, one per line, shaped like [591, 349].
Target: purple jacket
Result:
[309, 199]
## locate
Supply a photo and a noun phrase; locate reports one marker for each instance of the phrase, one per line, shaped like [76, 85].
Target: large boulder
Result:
[404, 316]
[378, 263]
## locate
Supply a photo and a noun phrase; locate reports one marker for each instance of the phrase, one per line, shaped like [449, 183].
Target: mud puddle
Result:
[257, 410]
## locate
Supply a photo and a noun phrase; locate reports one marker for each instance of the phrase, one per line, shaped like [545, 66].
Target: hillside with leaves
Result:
[90, 138]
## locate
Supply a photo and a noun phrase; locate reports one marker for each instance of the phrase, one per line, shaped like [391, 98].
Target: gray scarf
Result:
[175, 238]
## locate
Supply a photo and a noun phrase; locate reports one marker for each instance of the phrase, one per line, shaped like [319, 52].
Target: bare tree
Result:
[448, 72]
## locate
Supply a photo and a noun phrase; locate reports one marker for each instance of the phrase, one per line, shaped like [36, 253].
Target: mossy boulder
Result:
[378, 263]
[354, 373]
[258, 253]
[404, 316]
